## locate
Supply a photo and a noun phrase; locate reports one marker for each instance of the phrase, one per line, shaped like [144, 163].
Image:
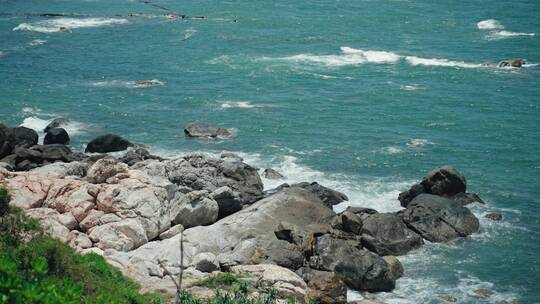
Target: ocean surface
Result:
[361, 96]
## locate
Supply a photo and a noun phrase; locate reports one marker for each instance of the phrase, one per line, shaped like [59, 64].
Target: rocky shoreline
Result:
[134, 208]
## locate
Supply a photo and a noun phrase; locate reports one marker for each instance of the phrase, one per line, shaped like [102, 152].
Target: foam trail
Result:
[127, 84]
[415, 61]
[189, 33]
[54, 25]
[348, 56]
[508, 34]
[37, 42]
[243, 105]
[418, 142]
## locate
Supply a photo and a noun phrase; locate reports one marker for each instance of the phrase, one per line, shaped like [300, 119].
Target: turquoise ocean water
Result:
[362, 96]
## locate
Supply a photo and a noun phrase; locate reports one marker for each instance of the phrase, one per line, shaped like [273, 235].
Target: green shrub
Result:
[220, 280]
[35, 268]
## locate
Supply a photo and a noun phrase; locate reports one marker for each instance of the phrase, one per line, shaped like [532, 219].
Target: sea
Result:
[363, 96]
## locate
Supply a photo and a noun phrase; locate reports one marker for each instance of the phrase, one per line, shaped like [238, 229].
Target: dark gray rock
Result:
[348, 222]
[228, 201]
[360, 269]
[56, 136]
[494, 216]
[134, 156]
[25, 137]
[406, 197]
[230, 155]
[56, 123]
[444, 181]
[467, 198]
[7, 141]
[272, 174]
[108, 143]
[28, 154]
[387, 234]
[328, 196]
[439, 219]
[195, 129]
[26, 165]
[54, 152]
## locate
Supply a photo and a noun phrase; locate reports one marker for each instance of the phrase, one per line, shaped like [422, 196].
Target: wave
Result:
[410, 87]
[127, 84]
[39, 124]
[348, 56]
[497, 30]
[490, 24]
[36, 42]
[189, 33]
[418, 142]
[415, 61]
[244, 105]
[55, 25]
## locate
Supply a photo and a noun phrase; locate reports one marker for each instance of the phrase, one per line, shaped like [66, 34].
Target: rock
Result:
[194, 209]
[174, 230]
[54, 152]
[228, 201]
[230, 155]
[366, 301]
[26, 165]
[349, 222]
[124, 235]
[107, 143]
[467, 198]
[395, 267]
[55, 229]
[56, 123]
[328, 196]
[147, 83]
[91, 220]
[9, 162]
[290, 233]
[77, 169]
[56, 136]
[444, 181]
[272, 174]
[482, 293]
[79, 240]
[25, 137]
[7, 141]
[515, 63]
[205, 130]
[438, 219]
[206, 262]
[134, 156]
[326, 288]
[406, 197]
[285, 282]
[28, 154]
[387, 234]
[360, 269]
[448, 298]
[200, 172]
[494, 216]
[104, 169]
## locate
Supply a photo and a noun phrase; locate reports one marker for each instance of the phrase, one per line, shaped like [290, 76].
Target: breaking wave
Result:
[497, 30]
[55, 25]
[127, 84]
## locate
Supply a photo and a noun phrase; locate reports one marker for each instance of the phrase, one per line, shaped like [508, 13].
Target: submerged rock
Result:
[195, 129]
[439, 219]
[108, 143]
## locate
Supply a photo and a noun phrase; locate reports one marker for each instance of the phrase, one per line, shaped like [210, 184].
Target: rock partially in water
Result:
[272, 174]
[56, 136]
[467, 198]
[439, 219]
[107, 143]
[196, 129]
[515, 63]
[329, 196]
[494, 216]
[56, 123]
[7, 141]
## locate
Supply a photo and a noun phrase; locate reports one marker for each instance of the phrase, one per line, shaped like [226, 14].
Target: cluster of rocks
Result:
[134, 209]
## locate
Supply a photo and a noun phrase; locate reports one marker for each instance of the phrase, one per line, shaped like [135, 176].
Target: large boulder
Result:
[104, 169]
[228, 201]
[55, 152]
[25, 137]
[107, 143]
[200, 172]
[7, 141]
[56, 136]
[387, 234]
[439, 219]
[194, 209]
[195, 129]
[360, 269]
[328, 196]
[326, 288]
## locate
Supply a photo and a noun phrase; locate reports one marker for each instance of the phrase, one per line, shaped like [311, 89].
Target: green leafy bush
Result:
[35, 268]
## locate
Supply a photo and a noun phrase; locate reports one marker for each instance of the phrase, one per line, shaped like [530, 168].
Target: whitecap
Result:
[38, 124]
[189, 33]
[54, 25]
[490, 24]
[415, 61]
[127, 84]
[507, 34]
[410, 87]
[348, 56]
[243, 105]
[418, 142]
[392, 150]
[36, 42]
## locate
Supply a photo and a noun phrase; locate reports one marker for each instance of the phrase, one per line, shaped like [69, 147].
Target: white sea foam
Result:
[54, 25]
[415, 61]
[497, 30]
[490, 24]
[189, 33]
[348, 56]
[38, 124]
[418, 142]
[244, 105]
[410, 87]
[392, 150]
[127, 84]
[37, 42]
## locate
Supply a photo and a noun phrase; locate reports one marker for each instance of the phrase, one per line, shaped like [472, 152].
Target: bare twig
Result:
[177, 282]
